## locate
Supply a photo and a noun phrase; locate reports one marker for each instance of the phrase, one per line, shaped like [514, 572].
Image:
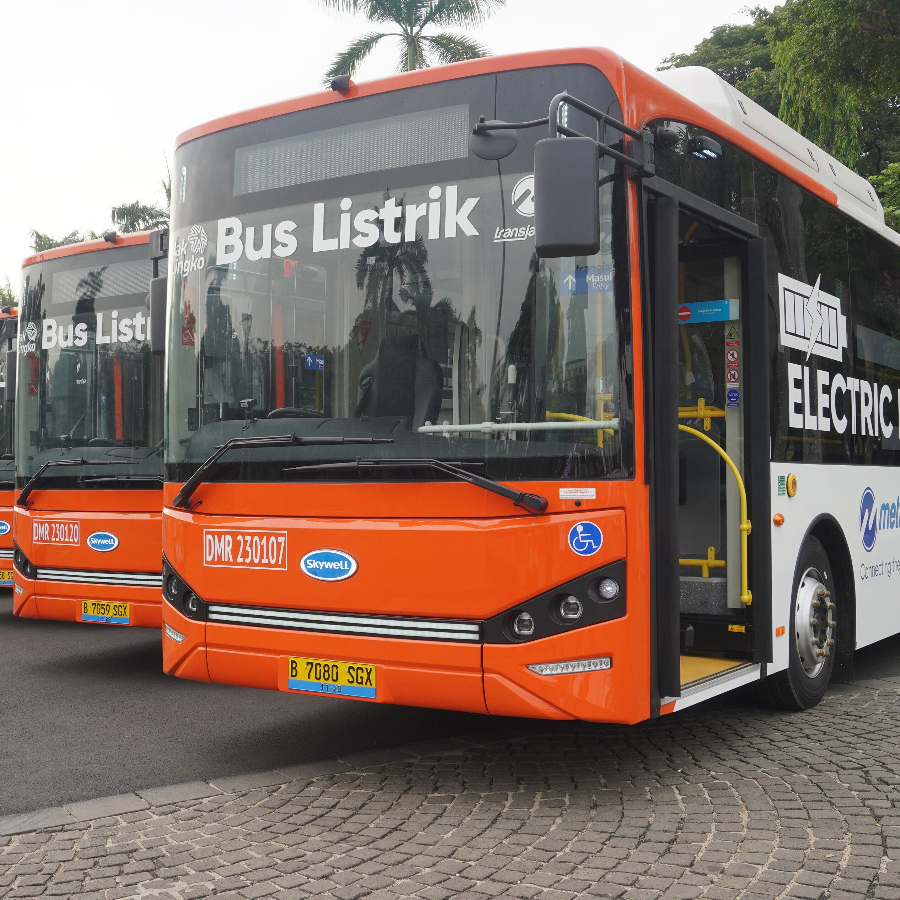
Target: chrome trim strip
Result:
[125, 579]
[343, 623]
[6, 554]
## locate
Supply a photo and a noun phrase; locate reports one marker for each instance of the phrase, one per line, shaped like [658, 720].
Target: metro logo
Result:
[43, 532]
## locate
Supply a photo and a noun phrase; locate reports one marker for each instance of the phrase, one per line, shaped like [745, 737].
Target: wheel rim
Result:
[813, 622]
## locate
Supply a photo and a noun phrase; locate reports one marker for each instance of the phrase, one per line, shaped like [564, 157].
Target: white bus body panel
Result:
[837, 491]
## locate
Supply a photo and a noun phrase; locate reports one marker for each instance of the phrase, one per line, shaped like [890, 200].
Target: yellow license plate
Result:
[6, 576]
[105, 613]
[324, 676]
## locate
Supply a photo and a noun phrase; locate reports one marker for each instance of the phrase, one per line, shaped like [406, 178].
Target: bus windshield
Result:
[87, 386]
[339, 290]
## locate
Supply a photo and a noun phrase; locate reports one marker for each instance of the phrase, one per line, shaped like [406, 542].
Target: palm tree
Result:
[137, 216]
[412, 17]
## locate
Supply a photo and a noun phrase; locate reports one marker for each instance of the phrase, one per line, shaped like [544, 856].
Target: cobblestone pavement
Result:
[719, 802]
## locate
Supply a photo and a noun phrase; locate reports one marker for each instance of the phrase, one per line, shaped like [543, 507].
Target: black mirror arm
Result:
[640, 147]
[483, 127]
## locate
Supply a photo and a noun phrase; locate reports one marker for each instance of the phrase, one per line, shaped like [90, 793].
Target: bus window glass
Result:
[87, 383]
[875, 290]
[414, 308]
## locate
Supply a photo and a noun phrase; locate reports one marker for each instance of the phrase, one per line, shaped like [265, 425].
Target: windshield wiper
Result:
[32, 482]
[91, 479]
[183, 500]
[529, 502]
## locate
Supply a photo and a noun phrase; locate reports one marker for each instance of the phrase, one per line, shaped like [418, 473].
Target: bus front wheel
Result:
[812, 634]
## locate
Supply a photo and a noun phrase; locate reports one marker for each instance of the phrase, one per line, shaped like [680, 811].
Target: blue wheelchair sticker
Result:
[585, 538]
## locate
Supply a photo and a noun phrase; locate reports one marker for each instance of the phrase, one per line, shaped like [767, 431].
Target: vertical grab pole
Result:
[664, 485]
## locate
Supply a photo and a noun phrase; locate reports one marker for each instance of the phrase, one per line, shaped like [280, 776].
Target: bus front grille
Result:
[116, 579]
[344, 623]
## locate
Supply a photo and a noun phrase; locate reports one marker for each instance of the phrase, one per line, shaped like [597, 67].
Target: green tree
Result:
[838, 64]
[411, 18]
[41, 241]
[137, 216]
[742, 55]
[887, 183]
[7, 297]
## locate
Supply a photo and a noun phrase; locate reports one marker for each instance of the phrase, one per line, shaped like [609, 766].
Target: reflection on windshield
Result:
[87, 384]
[423, 313]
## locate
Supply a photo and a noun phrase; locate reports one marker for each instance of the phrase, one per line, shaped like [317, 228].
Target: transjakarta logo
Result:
[443, 217]
[868, 526]
[4, 527]
[109, 331]
[523, 196]
[328, 565]
[523, 204]
[103, 541]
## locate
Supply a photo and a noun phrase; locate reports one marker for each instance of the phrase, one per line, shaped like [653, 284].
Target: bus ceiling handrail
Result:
[502, 427]
[746, 596]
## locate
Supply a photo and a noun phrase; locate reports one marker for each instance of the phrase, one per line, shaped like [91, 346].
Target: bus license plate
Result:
[324, 676]
[6, 576]
[105, 613]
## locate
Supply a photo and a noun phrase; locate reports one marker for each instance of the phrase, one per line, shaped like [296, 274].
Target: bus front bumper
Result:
[475, 677]
[64, 601]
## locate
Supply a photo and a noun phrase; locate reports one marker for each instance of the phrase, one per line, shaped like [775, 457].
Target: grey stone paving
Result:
[721, 802]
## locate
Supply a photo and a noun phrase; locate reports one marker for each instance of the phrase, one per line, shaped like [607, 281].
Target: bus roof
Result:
[122, 240]
[855, 196]
[697, 95]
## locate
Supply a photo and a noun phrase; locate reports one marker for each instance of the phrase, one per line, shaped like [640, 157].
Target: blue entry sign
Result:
[711, 311]
[585, 538]
[314, 363]
[586, 281]
[733, 398]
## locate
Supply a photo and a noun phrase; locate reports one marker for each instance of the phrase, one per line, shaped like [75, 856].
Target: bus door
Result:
[709, 472]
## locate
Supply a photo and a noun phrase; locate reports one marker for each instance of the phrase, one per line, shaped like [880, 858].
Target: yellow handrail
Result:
[571, 417]
[746, 596]
[701, 411]
[705, 564]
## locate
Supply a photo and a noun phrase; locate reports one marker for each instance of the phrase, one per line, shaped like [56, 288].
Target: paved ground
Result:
[86, 711]
[724, 801]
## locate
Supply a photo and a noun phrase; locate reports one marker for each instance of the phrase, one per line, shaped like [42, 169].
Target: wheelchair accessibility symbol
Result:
[585, 538]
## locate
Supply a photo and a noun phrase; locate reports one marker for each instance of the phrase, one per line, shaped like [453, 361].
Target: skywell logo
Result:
[328, 565]
[103, 541]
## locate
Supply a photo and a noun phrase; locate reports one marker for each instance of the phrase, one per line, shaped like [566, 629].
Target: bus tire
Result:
[812, 647]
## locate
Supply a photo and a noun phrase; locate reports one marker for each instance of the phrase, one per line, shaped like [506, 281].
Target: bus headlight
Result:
[569, 608]
[523, 625]
[608, 589]
[172, 586]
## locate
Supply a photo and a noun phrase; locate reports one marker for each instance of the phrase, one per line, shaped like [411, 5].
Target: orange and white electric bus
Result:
[8, 323]
[533, 386]
[89, 432]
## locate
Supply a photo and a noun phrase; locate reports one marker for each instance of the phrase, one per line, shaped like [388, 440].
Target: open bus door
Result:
[708, 429]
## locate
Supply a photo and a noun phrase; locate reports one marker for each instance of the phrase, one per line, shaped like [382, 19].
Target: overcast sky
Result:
[93, 94]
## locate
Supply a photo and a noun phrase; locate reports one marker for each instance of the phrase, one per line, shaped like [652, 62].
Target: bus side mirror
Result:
[158, 291]
[10, 373]
[566, 197]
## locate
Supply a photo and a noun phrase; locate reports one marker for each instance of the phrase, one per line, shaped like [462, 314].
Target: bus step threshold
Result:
[695, 670]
